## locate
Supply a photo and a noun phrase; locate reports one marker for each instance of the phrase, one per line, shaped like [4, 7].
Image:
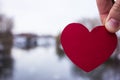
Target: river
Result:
[50, 63]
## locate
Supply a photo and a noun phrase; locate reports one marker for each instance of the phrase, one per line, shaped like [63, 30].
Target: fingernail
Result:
[112, 25]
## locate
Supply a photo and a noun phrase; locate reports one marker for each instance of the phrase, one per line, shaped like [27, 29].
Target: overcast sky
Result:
[47, 16]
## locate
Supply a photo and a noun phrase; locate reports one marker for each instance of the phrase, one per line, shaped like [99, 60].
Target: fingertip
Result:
[112, 25]
[110, 29]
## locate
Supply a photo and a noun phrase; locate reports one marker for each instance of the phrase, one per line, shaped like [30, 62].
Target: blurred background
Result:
[30, 46]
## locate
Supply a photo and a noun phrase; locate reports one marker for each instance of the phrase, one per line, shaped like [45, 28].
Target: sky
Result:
[47, 16]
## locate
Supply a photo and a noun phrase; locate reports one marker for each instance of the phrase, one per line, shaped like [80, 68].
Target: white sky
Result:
[47, 16]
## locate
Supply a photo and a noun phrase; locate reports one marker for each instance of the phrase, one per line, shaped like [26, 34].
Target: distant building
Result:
[25, 40]
[6, 24]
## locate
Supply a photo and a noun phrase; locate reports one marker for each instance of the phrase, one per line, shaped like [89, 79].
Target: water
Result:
[40, 64]
[44, 64]
[48, 63]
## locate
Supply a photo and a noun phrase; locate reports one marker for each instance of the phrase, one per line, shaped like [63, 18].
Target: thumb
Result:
[112, 23]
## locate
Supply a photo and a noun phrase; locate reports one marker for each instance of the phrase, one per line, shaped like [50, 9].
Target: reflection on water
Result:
[6, 61]
[59, 50]
[46, 63]
[107, 71]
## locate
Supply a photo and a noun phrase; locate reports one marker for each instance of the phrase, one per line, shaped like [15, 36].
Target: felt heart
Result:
[87, 49]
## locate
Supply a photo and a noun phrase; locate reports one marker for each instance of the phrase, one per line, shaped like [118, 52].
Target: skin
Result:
[109, 11]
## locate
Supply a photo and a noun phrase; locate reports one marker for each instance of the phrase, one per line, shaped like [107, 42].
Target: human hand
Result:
[110, 14]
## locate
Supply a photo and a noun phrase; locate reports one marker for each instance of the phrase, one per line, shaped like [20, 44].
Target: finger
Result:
[104, 7]
[113, 19]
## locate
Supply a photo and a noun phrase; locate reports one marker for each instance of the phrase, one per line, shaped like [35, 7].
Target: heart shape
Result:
[87, 49]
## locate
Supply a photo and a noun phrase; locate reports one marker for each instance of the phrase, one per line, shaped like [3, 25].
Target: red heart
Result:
[87, 49]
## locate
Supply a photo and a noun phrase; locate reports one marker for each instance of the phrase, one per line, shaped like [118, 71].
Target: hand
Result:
[110, 14]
